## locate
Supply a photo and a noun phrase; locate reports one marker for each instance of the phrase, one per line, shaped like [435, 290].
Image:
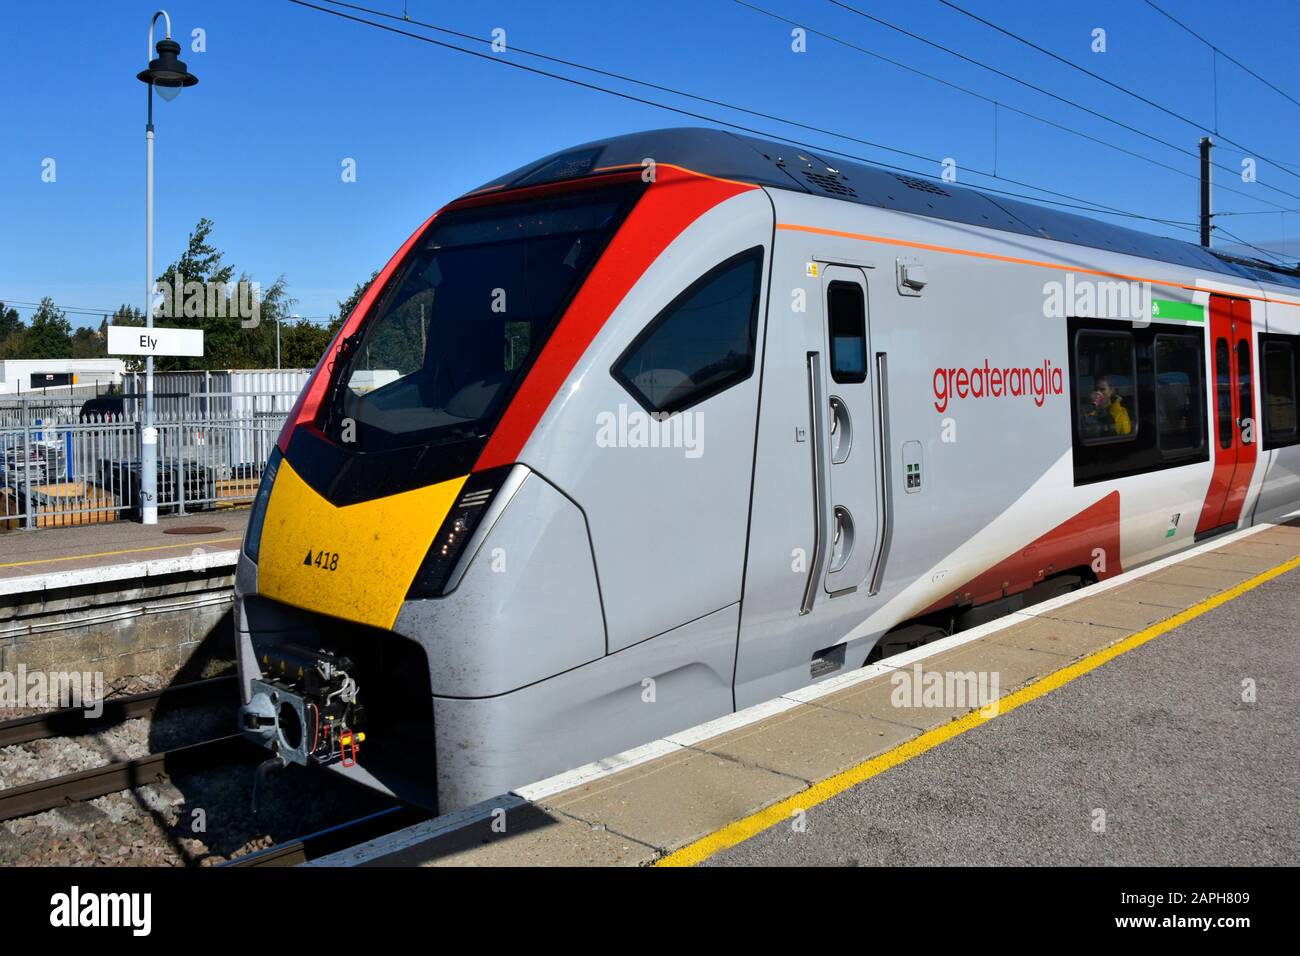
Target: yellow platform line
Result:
[755, 823]
[109, 554]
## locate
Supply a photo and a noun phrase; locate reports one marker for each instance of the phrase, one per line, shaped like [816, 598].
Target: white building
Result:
[21, 376]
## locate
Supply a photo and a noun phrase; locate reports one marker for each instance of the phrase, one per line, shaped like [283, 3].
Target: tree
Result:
[50, 334]
[88, 343]
[231, 338]
[302, 343]
[125, 315]
[9, 321]
[12, 332]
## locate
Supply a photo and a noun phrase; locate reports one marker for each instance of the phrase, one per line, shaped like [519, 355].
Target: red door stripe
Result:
[677, 198]
[1234, 465]
[1243, 396]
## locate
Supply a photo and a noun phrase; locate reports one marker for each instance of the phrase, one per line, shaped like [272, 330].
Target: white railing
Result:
[60, 467]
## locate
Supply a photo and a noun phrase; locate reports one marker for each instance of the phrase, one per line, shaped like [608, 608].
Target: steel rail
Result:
[73, 721]
[333, 839]
[73, 788]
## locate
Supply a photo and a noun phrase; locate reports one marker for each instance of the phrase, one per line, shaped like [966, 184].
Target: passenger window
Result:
[1279, 393]
[1180, 396]
[1106, 370]
[702, 343]
[847, 314]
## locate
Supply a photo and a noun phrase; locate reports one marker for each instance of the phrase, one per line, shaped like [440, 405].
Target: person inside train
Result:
[1108, 408]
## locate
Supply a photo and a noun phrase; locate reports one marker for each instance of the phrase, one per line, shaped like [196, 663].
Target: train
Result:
[663, 426]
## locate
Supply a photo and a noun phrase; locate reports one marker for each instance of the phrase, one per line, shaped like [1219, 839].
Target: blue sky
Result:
[287, 93]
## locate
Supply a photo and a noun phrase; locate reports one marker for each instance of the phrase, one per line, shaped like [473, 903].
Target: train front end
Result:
[377, 492]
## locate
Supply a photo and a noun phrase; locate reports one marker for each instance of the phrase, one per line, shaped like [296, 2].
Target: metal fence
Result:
[70, 469]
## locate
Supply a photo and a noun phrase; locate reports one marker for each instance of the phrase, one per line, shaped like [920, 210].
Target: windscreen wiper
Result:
[338, 368]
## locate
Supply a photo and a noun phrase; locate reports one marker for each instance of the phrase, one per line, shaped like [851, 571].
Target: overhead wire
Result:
[1106, 80]
[1074, 203]
[1046, 92]
[999, 104]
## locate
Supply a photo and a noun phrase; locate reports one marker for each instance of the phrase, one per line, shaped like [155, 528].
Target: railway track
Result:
[332, 839]
[68, 789]
[72, 721]
[72, 788]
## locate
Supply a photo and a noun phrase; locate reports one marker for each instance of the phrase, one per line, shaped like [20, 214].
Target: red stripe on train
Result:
[308, 403]
[1089, 539]
[675, 200]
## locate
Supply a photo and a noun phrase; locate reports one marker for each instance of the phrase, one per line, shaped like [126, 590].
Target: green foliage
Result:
[50, 334]
[9, 321]
[302, 343]
[12, 332]
[231, 337]
[87, 343]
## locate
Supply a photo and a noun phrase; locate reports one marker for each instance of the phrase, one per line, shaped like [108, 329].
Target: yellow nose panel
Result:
[354, 562]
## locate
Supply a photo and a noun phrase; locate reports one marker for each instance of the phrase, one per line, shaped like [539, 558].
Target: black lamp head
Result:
[167, 72]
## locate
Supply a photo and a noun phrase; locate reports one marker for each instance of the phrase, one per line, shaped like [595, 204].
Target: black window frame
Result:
[694, 398]
[331, 415]
[1198, 388]
[1267, 339]
[1224, 419]
[846, 378]
[1110, 460]
[1135, 413]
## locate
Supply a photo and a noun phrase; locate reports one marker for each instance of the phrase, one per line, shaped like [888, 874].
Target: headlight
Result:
[457, 528]
[253, 535]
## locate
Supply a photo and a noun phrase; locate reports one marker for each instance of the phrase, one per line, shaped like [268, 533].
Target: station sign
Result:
[134, 340]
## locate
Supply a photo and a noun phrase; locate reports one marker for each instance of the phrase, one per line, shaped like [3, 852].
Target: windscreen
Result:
[473, 303]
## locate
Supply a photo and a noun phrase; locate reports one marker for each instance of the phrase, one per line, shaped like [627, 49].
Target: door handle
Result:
[886, 472]
[817, 421]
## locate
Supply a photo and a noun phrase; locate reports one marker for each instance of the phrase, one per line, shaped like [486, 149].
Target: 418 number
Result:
[324, 560]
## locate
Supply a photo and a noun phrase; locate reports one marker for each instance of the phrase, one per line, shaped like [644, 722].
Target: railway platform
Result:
[1148, 719]
[25, 555]
[120, 598]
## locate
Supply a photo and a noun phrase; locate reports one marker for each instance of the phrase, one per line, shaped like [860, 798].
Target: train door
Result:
[1235, 422]
[845, 440]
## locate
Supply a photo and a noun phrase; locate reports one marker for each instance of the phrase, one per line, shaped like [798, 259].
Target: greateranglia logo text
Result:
[988, 381]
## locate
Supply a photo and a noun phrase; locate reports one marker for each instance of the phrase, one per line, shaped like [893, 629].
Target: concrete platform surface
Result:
[50, 551]
[1161, 757]
[1148, 719]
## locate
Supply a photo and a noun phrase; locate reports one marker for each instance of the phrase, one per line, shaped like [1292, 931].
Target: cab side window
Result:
[847, 314]
[702, 343]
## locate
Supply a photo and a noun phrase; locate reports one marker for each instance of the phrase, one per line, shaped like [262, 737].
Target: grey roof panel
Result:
[781, 166]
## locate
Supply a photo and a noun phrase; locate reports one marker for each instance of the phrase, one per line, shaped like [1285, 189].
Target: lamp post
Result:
[169, 74]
